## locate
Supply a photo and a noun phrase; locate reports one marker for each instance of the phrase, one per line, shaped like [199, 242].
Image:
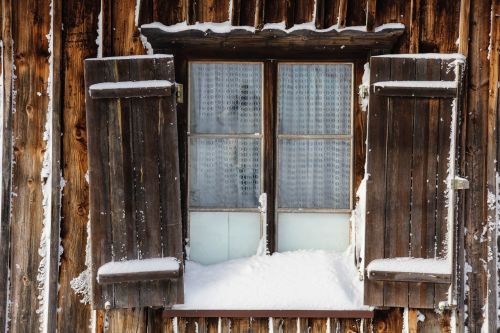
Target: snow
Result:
[417, 84]
[410, 265]
[299, 280]
[364, 88]
[139, 266]
[442, 56]
[82, 284]
[98, 40]
[143, 56]
[130, 84]
[226, 27]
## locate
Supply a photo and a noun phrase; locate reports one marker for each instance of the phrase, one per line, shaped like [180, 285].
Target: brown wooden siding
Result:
[24, 26]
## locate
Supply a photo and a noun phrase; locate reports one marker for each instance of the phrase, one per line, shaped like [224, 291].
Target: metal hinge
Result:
[459, 183]
[179, 92]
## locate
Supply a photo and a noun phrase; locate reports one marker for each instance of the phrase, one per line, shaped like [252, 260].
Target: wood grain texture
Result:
[439, 21]
[30, 25]
[6, 157]
[80, 23]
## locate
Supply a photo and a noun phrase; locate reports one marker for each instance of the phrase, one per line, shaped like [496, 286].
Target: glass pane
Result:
[225, 98]
[314, 98]
[220, 236]
[313, 231]
[224, 172]
[314, 173]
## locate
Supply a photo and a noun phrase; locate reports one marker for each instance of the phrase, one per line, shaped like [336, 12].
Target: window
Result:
[312, 157]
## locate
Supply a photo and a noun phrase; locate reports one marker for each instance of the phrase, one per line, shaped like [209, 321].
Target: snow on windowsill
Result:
[299, 280]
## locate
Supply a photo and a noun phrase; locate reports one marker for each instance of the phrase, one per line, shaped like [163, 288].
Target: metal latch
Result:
[179, 92]
[459, 183]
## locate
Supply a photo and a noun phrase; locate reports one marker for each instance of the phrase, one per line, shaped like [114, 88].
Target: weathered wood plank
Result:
[371, 13]
[398, 181]
[424, 171]
[380, 69]
[409, 277]
[212, 10]
[331, 13]
[356, 12]
[342, 13]
[80, 26]
[274, 11]
[6, 157]
[131, 89]
[30, 24]
[402, 88]
[439, 26]
[305, 11]
[169, 12]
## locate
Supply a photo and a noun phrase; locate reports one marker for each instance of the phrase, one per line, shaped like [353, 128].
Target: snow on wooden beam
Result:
[410, 270]
[126, 89]
[416, 88]
[139, 270]
[273, 36]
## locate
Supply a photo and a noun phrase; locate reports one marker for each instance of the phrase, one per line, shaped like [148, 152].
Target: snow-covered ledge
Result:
[224, 36]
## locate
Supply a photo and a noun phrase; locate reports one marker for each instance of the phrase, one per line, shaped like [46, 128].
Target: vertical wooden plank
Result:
[170, 193]
[258, 15]
[318, 325]
[80, 33]
[320, 14]
[398, 181]
[123, 36]
[359, 128]
[236, 12]
[371, 13]
[169, 12]
[389, 11]
[415, 26]
[30, 25]
[331, 12]
[463, 27]
[127, 320]
[423, 209]
[212, 325]
[356, 12]
[100, 210]
[212, 11]
[439, 26]
[6, 158]
[445, 118]
[304, 11]
[289, 13]
[342, 14]
[380, 70]
[274, 11]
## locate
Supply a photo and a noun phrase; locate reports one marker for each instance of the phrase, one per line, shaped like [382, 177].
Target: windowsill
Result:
[290, 284]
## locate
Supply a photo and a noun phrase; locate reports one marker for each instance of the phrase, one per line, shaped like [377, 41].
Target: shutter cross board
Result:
[136, 232]
[411, 200]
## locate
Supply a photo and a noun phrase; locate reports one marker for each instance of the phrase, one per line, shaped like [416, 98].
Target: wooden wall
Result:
[30, 66]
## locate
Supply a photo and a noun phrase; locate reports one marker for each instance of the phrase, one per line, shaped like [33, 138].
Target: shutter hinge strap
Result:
[459, 183]
[179, 92]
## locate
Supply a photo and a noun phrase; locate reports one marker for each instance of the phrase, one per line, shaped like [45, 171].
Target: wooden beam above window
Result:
[246, 38]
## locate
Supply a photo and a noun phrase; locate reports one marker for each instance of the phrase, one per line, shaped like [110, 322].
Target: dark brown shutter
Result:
[134, 181]
[412, 140]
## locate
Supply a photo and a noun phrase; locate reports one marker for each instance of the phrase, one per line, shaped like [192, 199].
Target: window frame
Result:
[269, 133]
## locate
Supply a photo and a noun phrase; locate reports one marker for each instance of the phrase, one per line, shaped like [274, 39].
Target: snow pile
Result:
[82, 284]
[299, 280]
[364, 88]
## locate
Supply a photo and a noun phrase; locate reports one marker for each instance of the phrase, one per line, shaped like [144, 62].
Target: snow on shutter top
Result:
[136, 232]
[412, 179]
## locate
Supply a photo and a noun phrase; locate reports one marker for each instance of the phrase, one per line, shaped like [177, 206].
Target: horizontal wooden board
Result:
[128, 89]
[416, 88]
[409, 277]
[269, 313]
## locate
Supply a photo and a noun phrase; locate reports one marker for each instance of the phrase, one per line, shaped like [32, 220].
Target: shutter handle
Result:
[459, 183]
[179, 92]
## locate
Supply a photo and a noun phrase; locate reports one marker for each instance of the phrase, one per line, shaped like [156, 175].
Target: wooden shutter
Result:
[134, 182]
[411, 162]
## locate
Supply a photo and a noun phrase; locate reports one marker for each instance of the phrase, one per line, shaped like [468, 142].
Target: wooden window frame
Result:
[269, 139]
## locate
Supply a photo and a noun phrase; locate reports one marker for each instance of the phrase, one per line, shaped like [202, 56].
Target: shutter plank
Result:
[445, 118]
[100, 212]
[171, 222]
[398, 181]
[424, 180]
[380, 69]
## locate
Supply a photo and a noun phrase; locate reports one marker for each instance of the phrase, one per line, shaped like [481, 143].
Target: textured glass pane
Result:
[224, 172]
[298, 231]
[314, 98]
[225, 98]
[220, 236]
[314, 173]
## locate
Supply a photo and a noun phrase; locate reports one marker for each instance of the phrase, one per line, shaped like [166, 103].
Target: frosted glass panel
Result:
[314, 98]
[224, 172]
[313, 231]
[220, 236]
[314, 173]
[225, 98]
